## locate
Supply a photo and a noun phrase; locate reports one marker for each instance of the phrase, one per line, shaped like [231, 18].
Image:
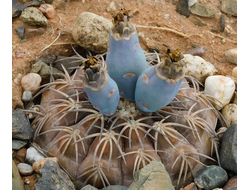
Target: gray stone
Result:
[228, 150]
[18, 144]
[115, 187]
[229, 7]
[27, 96]
[43, 70]
[53, 178]
[33, 155]
[92, 32]
[211, 177]
[17, 8]
[25, 169]
[34, 3]
[182, 8]
[20, 31]
[152, 176]
[202, 10]
[222, 23]
[17, 182]
[34, 32]
[21, 128]
[88, 187]
[33, 16]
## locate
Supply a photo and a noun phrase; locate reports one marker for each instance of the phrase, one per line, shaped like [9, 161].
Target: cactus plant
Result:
[125, 57]
[160, 82]
[102, 141]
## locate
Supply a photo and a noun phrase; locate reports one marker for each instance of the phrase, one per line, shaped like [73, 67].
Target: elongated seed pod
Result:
[158, 85]
[125, 57]
[102, 90]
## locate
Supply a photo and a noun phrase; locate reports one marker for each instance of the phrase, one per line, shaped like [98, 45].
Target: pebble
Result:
[229, 112]
[232, 183]
[234, 72]
[115, 187]
[21, 128]
[191, 186]
[18, 144]
[25, 169]
[198, 51]
[202, 10]
[33, 155]
[191, 2]
[53, 178]
[183, 8]
[152, 176]
[34, 3]
[198, 67]
[229, 7]
[222, 23]
[43, 70]
[228, 150]
[166, 16]
[48, 10]
[220, 87]
[17, 8]
[27, 96]
[17, 182]
[20, 31]
[17, 78]
[211, 177]
[31, 82]
[231, 55]
[39, 164]
[33, 16]
[92, 32]
[88, 187]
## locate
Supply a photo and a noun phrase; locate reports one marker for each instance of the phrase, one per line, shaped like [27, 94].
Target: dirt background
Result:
[151, 13]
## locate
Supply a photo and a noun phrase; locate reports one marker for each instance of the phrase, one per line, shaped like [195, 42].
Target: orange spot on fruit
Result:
[129, 75]
[145, 78]
[145, 105]
[111, 93]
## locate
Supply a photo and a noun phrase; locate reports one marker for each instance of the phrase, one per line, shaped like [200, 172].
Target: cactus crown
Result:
[122, 28]
[94, 77]
[172, 68]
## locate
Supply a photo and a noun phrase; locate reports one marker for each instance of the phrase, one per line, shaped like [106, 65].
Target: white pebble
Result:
[27, 96]
[31, 82]
[234, 72]
[220, 87]
[25, 169]
[198, 67]
[191, 2]
[111, 8]
[229, 112]
[231, 55]
[33, 155]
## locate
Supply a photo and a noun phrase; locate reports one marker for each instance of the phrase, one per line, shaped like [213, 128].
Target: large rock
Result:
[33, 16]
[211, 177]
[92, 32]
[21, 128]
[228, 150]
[152, 176]
[53, 178]
[17, 182]
[229, 7]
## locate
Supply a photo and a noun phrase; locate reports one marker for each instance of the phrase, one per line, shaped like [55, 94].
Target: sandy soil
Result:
[151, 13]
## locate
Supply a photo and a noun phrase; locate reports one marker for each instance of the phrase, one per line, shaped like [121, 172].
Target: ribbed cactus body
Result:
[153, 93]
[125, 62]
[105, 100]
